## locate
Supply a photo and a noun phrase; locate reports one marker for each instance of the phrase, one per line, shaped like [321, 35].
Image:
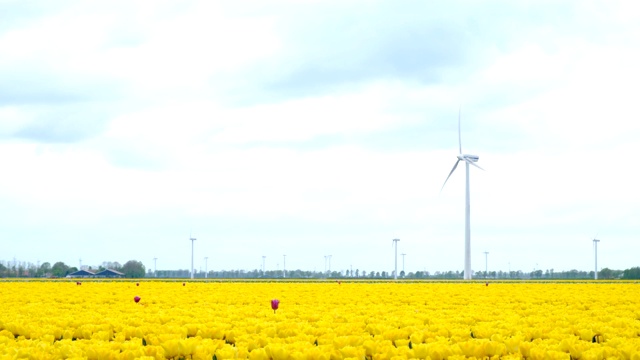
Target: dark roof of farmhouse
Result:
[109, 272]
[81, 273]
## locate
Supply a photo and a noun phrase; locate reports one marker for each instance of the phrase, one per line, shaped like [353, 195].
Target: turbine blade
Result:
[459, 136]
[474, 164]
[452, 170]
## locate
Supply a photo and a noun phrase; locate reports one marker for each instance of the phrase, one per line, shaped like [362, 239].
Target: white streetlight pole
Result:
[403, 263]
[192, 242]
[595, 245]
[486, 254]
[395, 272]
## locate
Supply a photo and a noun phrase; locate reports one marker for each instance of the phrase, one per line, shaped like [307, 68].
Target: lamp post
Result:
[486, 254]
[395, 272]
[403, 263]
[595, 246]
[192, 242]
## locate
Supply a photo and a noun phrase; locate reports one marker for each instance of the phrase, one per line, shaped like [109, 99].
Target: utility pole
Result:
[155, 268]
[395, 272]
[263, 268]
[205, 267]
[284, 266]
[403, 263]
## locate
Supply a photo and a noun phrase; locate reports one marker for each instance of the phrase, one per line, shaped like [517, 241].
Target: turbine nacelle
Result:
[467, 157]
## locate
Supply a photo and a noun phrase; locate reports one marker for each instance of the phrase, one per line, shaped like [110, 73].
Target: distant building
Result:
[108, 273]
[81, 274]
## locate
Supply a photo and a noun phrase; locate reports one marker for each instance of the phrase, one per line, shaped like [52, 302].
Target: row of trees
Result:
[135, 269]
[131, 269]
[633, 273]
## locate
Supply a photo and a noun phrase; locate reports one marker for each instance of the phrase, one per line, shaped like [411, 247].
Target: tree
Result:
[59, 269]
[45, 269]
[605, 273]
[633, 273]
[133, 269]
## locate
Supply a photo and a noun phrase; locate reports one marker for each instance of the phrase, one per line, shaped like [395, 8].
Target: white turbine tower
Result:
[469, 160]
[595, 247]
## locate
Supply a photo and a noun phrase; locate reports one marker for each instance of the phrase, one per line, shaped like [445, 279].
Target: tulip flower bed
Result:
[323, 320]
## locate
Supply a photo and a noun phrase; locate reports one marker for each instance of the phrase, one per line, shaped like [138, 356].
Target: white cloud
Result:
[550, 117]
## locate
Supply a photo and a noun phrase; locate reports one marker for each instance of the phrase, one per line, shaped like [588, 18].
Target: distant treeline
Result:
[135, 269]
[632, 273]
[131, 269]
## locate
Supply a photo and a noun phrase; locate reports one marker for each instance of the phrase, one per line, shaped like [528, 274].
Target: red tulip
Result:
[274, 305]
[136, 299]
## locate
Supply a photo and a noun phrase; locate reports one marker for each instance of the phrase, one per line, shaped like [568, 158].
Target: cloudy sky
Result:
[319, 128]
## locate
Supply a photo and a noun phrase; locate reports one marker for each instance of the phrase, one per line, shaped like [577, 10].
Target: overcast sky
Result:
[319, 128]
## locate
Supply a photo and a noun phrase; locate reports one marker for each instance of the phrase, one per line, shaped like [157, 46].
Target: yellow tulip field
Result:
[318, 320]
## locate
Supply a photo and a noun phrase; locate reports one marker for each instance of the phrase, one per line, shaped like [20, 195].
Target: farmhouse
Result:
[108, 273]
[81, 274]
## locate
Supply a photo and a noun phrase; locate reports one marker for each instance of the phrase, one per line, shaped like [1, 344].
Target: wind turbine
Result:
[468, 160]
